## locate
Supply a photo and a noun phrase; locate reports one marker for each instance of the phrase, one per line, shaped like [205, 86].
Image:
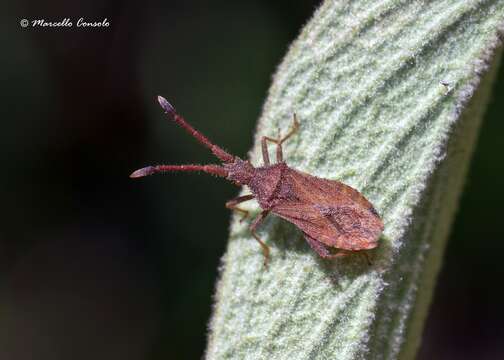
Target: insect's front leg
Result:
[265, 248]
[278, 142]
[232, 204]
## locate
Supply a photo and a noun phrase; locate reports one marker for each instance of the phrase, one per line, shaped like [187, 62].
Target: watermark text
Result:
[64, 23]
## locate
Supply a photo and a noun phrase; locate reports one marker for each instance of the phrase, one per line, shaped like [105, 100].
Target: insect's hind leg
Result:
[278, 142]
[324, 252]
[265, 248]
[232, 204]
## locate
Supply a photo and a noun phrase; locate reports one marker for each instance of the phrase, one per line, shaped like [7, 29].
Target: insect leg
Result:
[367, 257]
[232, 204]
[295, 127]
[265, 248]
[264, 147]
[323, 250]
[278, 142]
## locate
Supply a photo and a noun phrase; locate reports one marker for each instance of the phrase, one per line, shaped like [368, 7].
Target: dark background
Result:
[97, 266]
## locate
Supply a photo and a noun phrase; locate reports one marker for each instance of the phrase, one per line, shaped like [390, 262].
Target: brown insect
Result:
[330, 214]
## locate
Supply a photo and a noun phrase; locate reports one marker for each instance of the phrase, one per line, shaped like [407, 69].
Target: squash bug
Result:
[330, 214]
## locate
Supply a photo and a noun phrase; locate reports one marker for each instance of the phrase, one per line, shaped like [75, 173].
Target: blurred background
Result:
[96, 266]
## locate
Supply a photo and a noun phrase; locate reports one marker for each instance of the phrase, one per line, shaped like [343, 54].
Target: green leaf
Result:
[386, 96]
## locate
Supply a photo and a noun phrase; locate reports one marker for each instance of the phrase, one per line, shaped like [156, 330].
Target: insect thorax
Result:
[266, 183]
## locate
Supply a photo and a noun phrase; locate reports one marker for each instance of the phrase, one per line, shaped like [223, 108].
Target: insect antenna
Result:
[216, 150]
[216, 170]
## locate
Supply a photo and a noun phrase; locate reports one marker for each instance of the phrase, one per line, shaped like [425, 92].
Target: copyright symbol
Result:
[24, 23]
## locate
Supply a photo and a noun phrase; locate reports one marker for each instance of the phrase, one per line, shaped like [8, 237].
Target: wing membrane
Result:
[329, 211]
